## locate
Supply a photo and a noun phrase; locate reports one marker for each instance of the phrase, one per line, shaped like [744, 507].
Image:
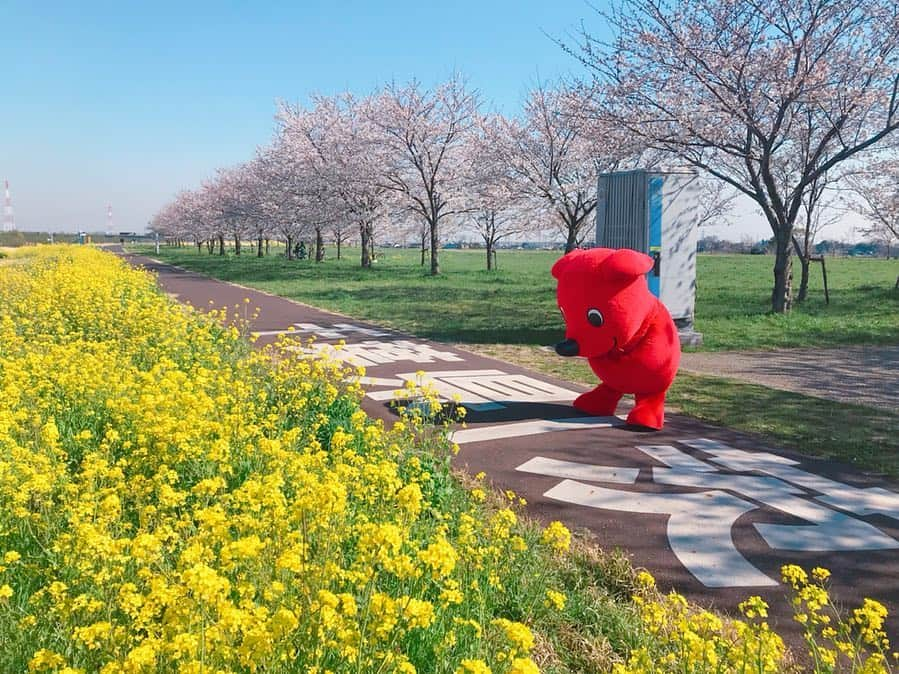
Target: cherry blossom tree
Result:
[555, 153]
[234, 203]
[337, 142]
[768, 97]
[423, 132]
[285, 204]
[874, 194]
[493, 204]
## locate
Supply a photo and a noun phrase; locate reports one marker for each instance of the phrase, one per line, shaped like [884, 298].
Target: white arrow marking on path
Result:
[699, 528]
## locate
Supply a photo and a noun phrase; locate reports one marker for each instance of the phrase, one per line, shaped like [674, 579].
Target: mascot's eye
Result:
[594, 318]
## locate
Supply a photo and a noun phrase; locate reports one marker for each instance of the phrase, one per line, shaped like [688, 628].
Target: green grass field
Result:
[510, 312]
[516, 304]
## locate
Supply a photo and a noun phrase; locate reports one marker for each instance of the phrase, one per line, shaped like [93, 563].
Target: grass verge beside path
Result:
[516, 304]
[863, 436]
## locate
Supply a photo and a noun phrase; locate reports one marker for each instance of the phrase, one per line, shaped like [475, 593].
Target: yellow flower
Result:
[794, 576]
[92, 635]
[820, 574]
[523, 666]
[418, 613]
[555, 599]
[645, 580]
[557, 536]
[517, 633]
[440, 557]
[45, 660]
[754, 607]
[470, 666]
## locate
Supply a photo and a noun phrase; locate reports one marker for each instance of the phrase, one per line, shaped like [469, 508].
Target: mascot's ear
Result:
[625, 264]
[565, 261]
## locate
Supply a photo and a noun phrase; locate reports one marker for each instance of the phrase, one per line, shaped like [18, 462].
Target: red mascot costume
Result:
[624, 331]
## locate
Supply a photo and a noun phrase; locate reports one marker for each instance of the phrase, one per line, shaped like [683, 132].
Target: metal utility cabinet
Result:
[655, 212]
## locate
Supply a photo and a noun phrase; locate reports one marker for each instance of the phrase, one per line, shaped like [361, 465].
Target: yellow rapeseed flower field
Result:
[173, 501]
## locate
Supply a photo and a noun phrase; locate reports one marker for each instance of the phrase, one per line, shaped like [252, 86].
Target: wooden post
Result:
[820, 259]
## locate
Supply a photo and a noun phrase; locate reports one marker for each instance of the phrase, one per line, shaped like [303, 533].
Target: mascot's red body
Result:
[623, 330]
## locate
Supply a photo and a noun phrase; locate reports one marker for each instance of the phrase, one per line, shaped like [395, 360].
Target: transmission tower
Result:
[9, 218]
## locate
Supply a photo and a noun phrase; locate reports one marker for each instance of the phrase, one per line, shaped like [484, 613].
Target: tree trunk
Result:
[199, 247]
[435, 261]
[210, 246]
[364, 233]
[338, 247]
[259, 247]
[424, 246]
[266, 246]
[489, 255]
[571, 241]
[237, 244]
[782, 294]
[319, 245]
[289, 248]
[371, 246]
[221, 244]
[803, 281]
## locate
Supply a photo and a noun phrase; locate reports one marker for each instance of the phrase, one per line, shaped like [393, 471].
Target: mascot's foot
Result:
[649, 412]
[600, 402]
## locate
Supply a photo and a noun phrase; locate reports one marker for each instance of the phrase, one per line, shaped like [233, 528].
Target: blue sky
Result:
[126, 103]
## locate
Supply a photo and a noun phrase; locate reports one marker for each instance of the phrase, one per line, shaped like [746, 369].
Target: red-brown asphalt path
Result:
[708, 511]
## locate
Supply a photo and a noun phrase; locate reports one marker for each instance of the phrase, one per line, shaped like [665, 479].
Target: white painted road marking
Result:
[699, 528]
[828, 530]
[336, 331]
[579, 471]
[370, 353]
[482, 390]
[856, 500]
[524, 428]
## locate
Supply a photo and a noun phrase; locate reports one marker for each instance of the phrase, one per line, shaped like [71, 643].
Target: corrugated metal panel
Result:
[621, 215]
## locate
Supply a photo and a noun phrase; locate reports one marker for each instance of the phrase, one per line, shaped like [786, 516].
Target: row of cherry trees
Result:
[415, 159]
[780, 101]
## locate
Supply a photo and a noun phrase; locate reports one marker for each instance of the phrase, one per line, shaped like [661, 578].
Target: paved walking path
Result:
[864, 375]
[709, 511]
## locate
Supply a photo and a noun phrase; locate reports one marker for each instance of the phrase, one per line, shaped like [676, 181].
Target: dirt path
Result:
[864, 375]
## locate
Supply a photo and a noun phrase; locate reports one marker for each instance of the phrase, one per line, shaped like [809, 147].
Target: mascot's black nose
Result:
[567, 348]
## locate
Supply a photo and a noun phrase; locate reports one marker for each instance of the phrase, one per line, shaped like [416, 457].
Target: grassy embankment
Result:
[511, 312]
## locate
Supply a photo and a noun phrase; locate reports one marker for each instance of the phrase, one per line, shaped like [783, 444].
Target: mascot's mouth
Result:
[567, 348]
